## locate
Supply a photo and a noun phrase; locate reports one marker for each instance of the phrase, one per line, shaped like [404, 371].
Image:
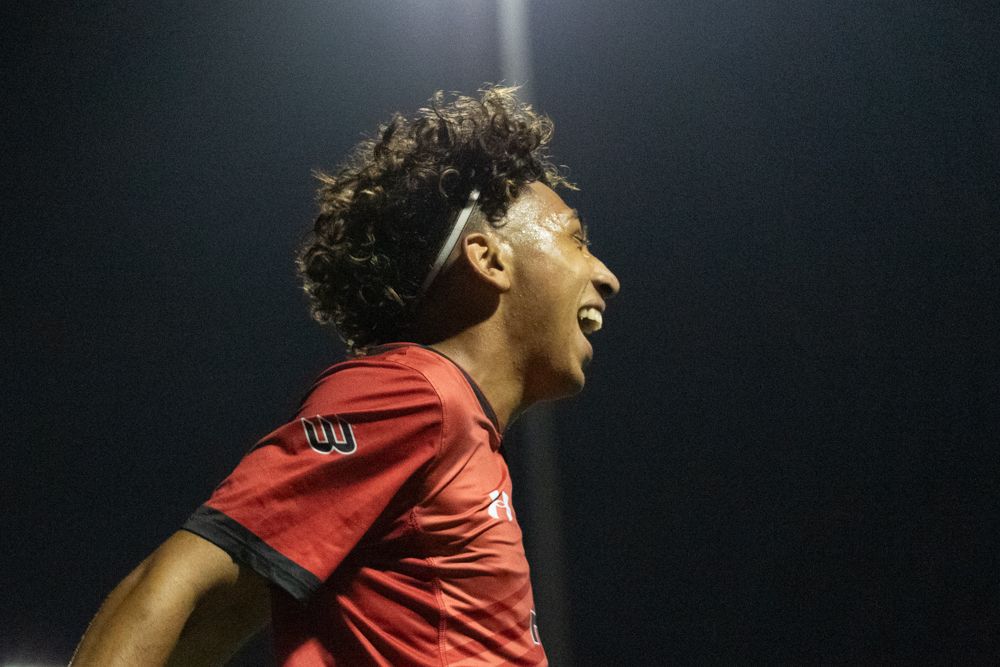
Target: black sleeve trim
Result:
[245, 547]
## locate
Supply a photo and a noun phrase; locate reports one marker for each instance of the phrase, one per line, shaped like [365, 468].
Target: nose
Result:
[606, 282]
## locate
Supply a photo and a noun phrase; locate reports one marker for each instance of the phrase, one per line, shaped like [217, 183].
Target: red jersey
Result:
[382, 514]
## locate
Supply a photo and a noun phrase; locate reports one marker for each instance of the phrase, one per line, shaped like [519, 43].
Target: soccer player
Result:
[377, 527]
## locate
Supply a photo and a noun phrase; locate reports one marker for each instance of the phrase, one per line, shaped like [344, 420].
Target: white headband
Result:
[449, 244]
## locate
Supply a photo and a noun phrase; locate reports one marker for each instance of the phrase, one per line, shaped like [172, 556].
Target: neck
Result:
[487, 359]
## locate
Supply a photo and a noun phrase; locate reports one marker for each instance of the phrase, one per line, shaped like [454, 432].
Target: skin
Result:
[188, 604]
[512, 295]
[538, 272]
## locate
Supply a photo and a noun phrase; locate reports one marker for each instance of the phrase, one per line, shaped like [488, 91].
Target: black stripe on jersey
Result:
[245, 547]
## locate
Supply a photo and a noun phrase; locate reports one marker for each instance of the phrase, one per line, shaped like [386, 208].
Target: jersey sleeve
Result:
[306, 494]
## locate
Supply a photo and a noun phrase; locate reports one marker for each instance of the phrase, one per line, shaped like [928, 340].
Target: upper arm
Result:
[188, 600]
[232, 608]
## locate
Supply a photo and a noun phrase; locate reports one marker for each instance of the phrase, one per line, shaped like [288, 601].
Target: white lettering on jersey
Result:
[500, 501]
[325, 436]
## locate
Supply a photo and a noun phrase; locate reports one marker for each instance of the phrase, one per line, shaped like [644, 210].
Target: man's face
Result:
[557, 292]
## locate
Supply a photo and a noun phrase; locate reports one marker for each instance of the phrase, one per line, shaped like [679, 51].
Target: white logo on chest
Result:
[500, 500]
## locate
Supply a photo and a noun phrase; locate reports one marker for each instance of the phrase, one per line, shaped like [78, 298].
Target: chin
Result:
[557, 378]
[576, 377]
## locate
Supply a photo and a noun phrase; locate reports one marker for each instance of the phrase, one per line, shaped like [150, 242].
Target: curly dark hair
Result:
[386, 212]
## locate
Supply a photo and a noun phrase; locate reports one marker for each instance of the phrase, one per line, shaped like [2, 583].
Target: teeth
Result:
[590, 319]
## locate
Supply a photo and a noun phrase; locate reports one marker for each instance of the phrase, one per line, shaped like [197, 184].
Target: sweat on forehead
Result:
[539, 208]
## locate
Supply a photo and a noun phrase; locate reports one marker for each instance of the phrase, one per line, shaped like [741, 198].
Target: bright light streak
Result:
[512, 17]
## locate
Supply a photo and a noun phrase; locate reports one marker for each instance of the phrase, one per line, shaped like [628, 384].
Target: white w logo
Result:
[326, 436]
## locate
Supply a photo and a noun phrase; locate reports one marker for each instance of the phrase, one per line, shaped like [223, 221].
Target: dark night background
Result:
[786, 452]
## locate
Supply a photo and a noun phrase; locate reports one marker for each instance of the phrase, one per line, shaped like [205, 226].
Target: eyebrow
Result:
[583, 225]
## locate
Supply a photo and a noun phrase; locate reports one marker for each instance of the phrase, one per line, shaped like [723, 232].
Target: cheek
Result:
[548, 285]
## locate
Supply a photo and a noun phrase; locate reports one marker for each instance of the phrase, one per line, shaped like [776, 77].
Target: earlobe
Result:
[488, 258]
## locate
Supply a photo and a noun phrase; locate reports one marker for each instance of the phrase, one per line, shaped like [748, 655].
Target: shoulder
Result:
[393, 379]
[394, 369]
[450, 381]
[399, 381]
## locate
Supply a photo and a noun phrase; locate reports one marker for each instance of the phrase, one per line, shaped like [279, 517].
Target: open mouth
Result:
[590, 319]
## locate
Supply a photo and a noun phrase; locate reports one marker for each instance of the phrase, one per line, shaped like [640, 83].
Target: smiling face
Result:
[557, 294]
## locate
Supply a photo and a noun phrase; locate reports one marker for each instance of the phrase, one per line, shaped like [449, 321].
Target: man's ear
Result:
[489, 258]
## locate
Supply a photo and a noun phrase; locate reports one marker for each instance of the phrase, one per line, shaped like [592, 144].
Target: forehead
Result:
[540, 208]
